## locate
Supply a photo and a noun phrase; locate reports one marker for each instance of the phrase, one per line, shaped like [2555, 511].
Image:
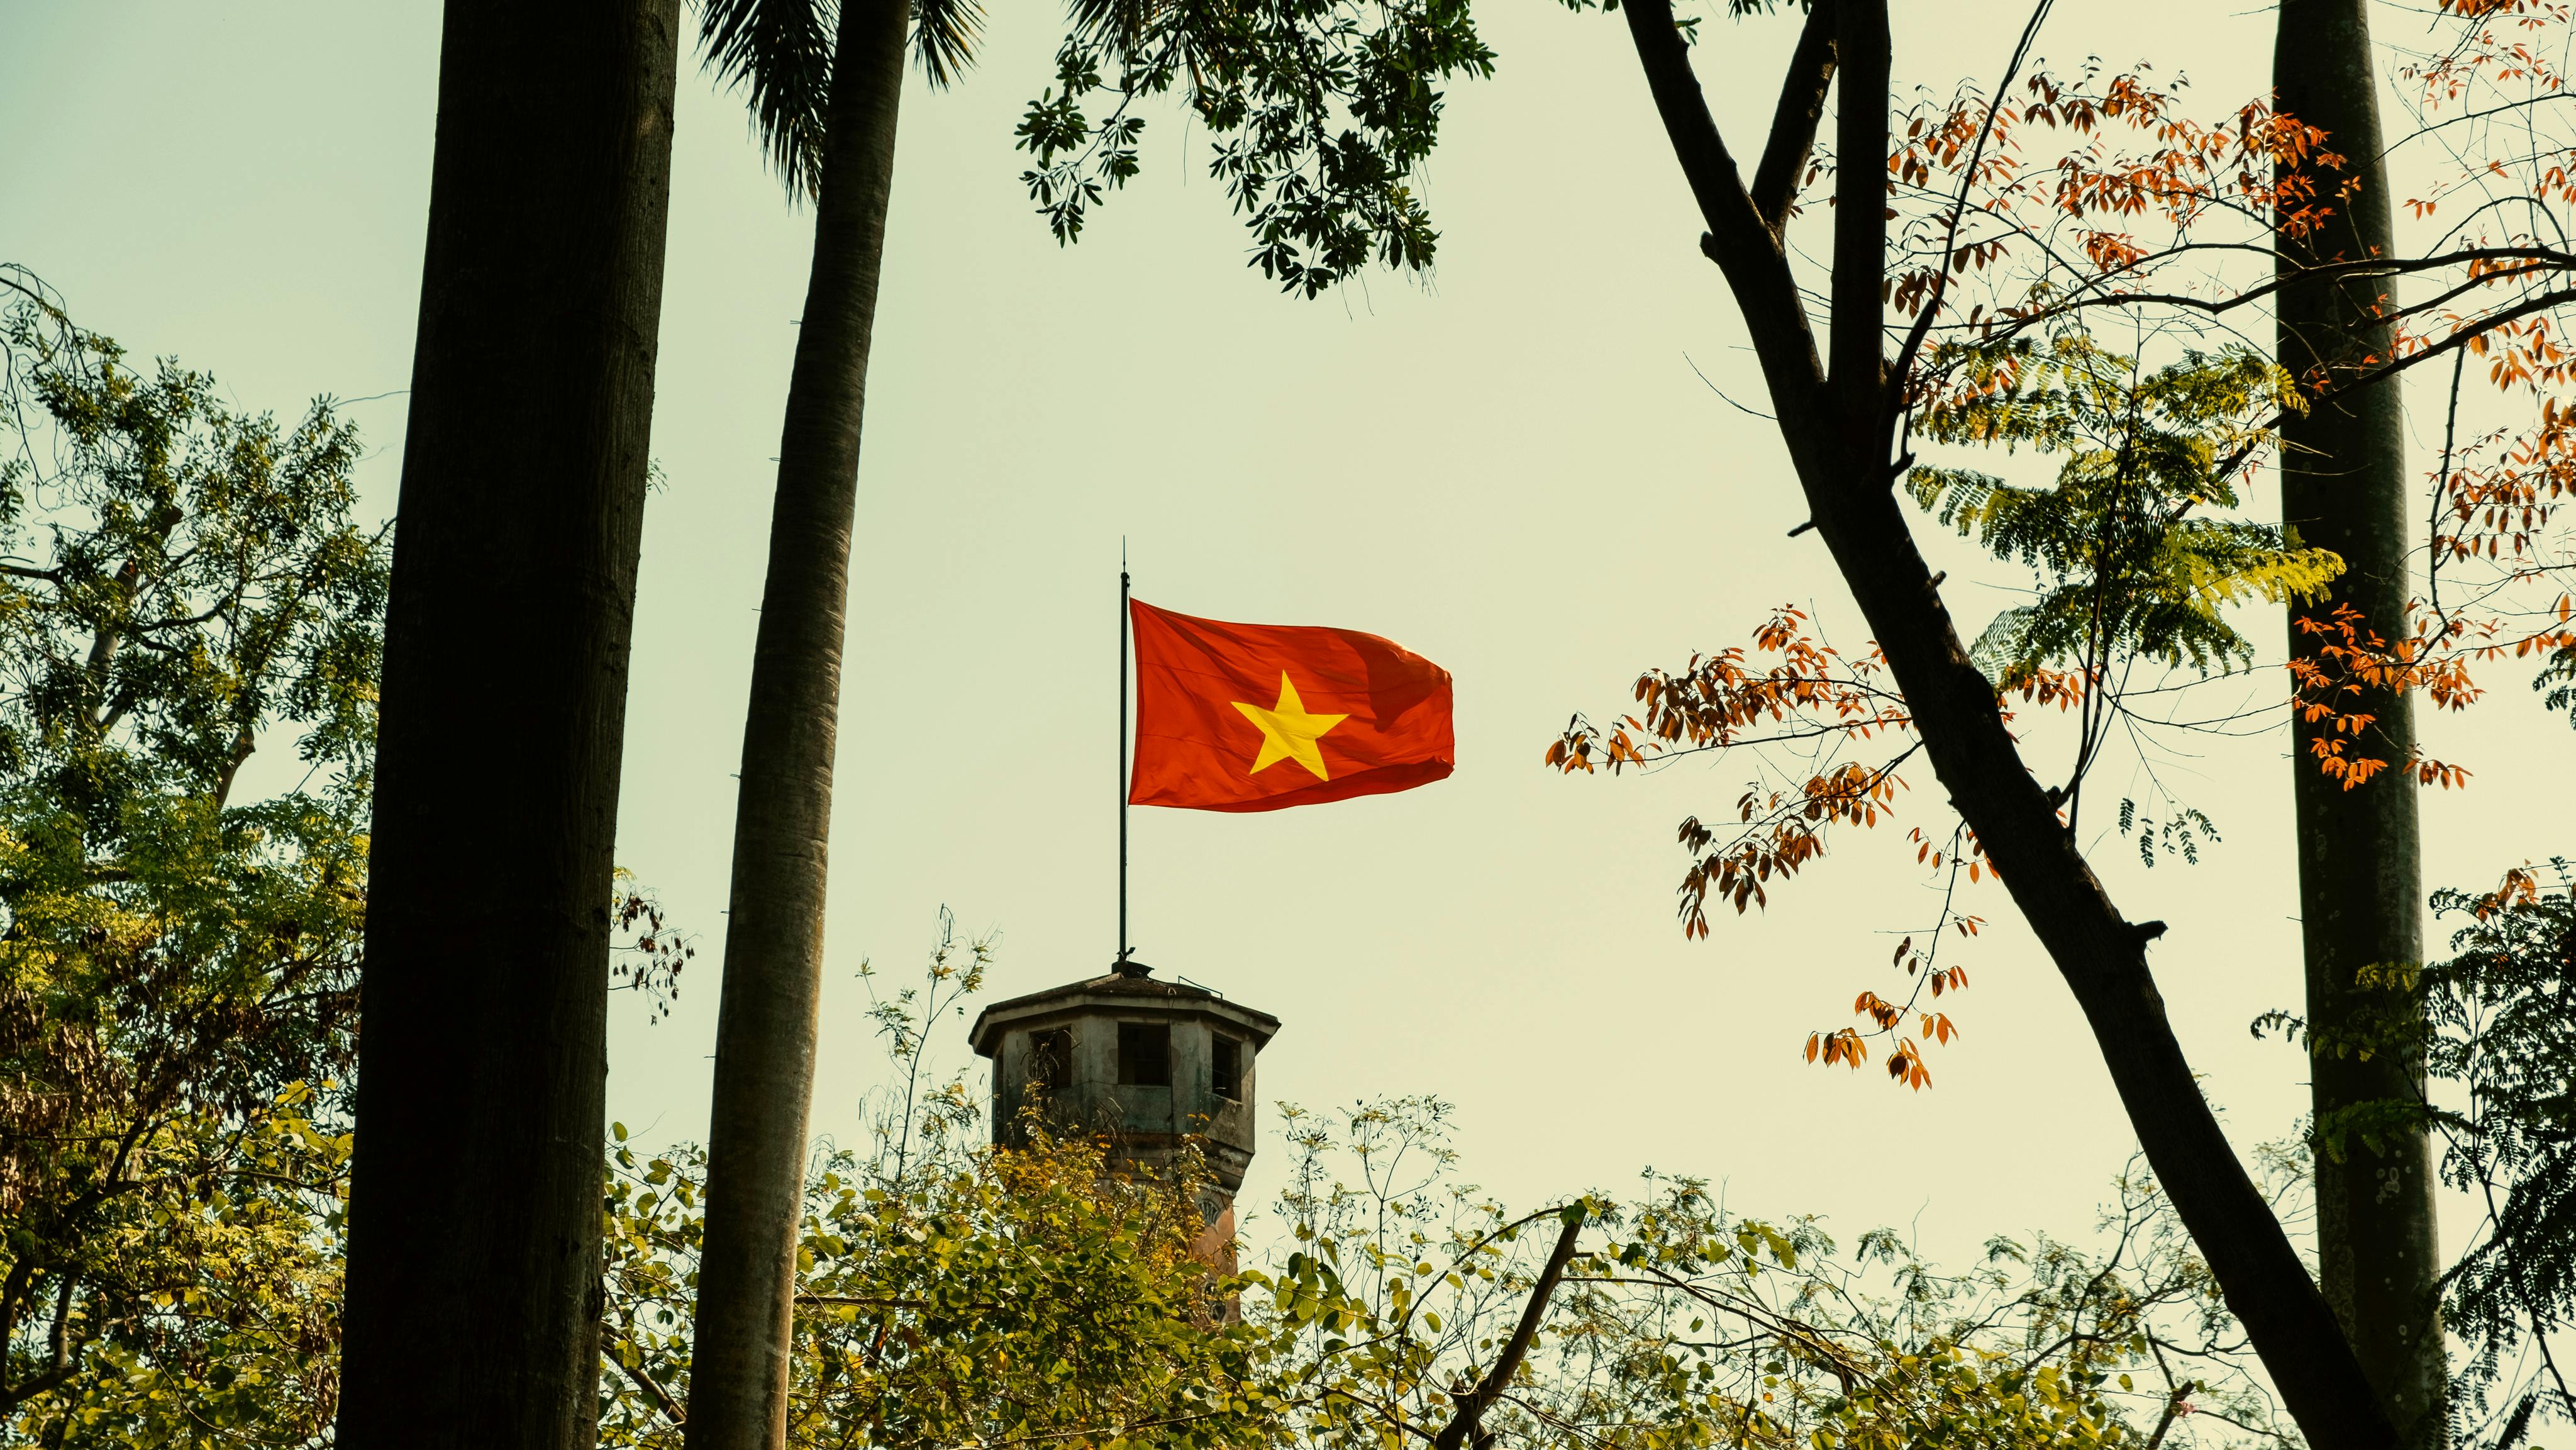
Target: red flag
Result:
[1257, 717]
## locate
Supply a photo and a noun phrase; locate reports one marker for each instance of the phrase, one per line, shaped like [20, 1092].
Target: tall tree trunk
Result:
[773, 965]
[2344, 487]
[1838, 416]
[474, 1235]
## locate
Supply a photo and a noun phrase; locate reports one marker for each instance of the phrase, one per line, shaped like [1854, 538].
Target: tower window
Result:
[1145, 1054]
[1225, 1069]
[1051, 1060]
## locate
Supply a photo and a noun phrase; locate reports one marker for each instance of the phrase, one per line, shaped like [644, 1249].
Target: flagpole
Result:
[1122, 755]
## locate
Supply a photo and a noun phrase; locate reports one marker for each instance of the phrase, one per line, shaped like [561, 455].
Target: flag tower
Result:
[1151, 1066]
[1229, 717]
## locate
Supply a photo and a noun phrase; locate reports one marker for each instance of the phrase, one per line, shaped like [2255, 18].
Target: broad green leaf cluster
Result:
[1321, 114]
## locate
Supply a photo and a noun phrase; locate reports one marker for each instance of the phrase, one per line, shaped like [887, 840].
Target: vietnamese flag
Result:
[1258, 717]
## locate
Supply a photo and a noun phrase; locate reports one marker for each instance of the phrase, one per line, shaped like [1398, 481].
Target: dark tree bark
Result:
[2344, 487]
[473, 1303]
[773, 965]
[1466, 1427]
[1840, 428]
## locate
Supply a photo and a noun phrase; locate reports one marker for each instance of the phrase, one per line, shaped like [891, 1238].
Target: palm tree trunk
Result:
[773, 965]
[2344, 487]
[474, 1234]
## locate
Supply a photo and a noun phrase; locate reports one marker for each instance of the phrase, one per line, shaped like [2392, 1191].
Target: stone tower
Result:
[1146, 1062]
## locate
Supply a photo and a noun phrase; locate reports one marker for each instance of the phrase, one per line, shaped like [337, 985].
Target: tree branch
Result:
[653, 1390]
[1857, 349]
[1837, 430]
[1794, 121]
[1473, 1404]
[59, 1366]
[1959, 206]
[1746, 249]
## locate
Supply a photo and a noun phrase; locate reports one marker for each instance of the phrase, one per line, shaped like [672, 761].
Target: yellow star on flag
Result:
[1288, 732]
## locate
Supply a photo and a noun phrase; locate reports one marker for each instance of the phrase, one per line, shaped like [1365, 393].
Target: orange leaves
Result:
[1904, 1062]
[2429, 771]
[1794, 705]
[2505, 305]
[2174, 170]
[2353, 771]
[1805, 690]
[2503, 488]
[1843, 1046]
[2481, 9]
[1574, 749]
[1790, 693]
[2520, 887]
[1782, 831]
[1905, 1065]
[2345, 667]
[1850, 1046]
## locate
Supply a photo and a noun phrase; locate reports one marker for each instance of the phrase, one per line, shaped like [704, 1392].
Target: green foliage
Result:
[956, 1294]
[213, 1321]
[778, 53]
[181, 586]
[950, 1293]
[2502, 1015]
[982, 1297]
[1321, 113]
[2557, 682]
[2497, 1023]
[2130, 562]
[1680, 1324]
[2178, 834]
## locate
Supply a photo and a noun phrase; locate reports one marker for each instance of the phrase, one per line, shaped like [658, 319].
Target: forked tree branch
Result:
[1794, 121]
[1839, 436]
[1742, 245]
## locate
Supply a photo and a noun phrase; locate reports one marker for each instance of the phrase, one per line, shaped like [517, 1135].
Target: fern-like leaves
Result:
[2558, 682]
[2130, 561]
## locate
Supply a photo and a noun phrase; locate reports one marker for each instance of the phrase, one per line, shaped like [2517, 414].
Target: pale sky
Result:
[1512, 470]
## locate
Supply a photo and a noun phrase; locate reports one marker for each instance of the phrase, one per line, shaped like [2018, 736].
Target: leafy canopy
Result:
[2502, 1019]
[182, 585]
[949, 1292]
[1320, 113]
